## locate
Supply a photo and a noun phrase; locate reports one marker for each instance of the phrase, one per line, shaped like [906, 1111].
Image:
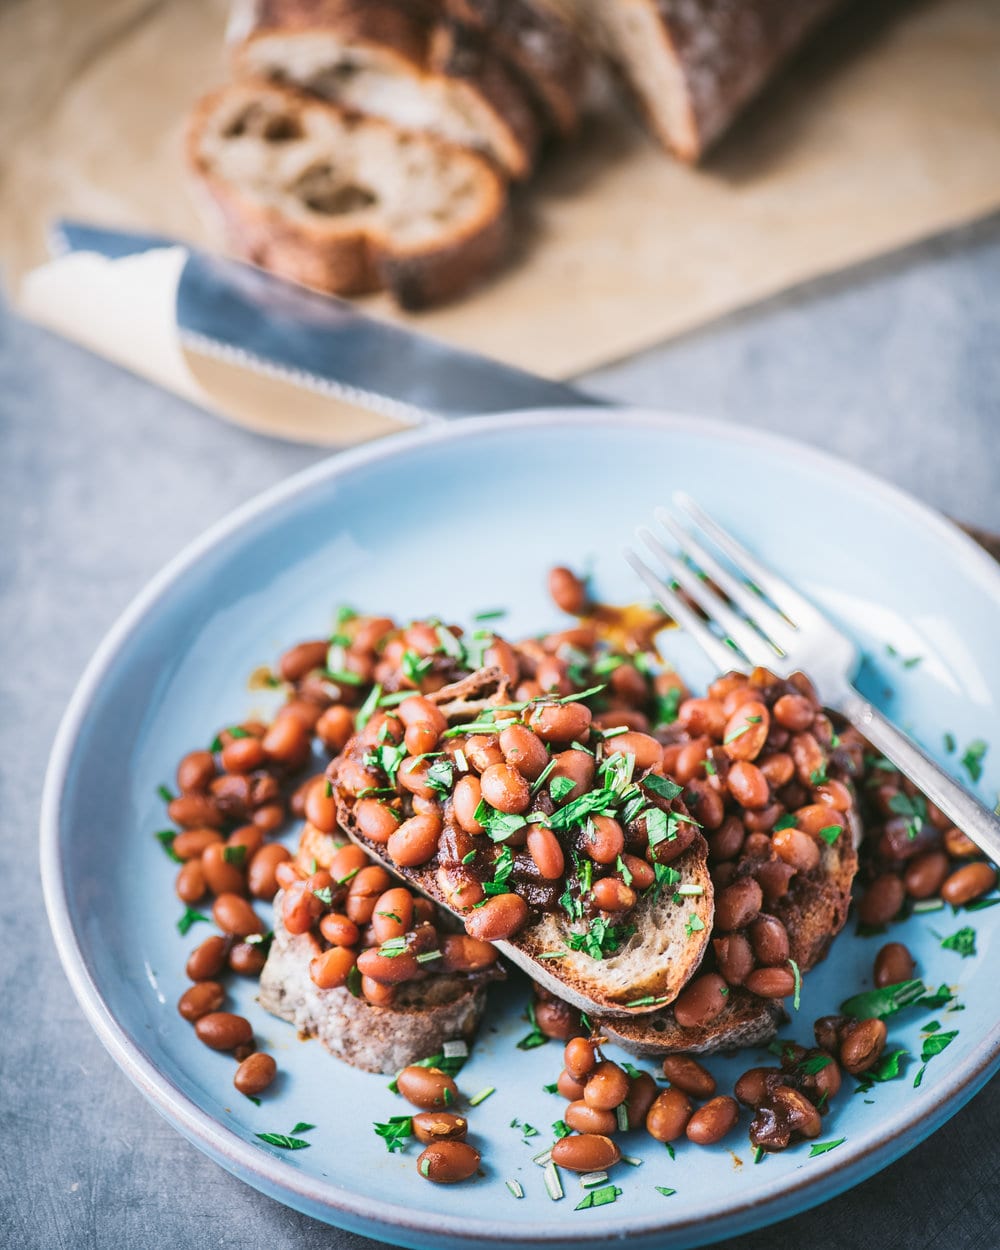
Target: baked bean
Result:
[483, 750]
[192, 842]
[415, 841]
[734, 957]
[287, 740]
[250, 838]
[748, 785]
[816, 816]
[575, 766]
[500, 654]
[364, 892]
[746, 731]
[778, 768]
[524, 751]
[335, 727]
[190, 884]
[347, 862]
[774, 878]
[668, 1117]
[604, 840]
[303, 658]
[434, 1126]
[827, 1083]
[221, 1030]
[893, 964]
[797, 849]
[726, 842]
[465, 800]
[561, 723]
[881, 900]
[255, 1074]
[642, 1093]
[569, 1087]
[375, 820]
[793, 711]
[755, 1085]
[195, 772]
[728, 682]
[568, 591]
[460, 892]
[196, 811]
[769, 939]
[606, 1087]
[321, 806]
[246, 959]
[612, 895]
[737, 697]
[862, 1047]
[306, 710]
[339, 930]
[690, 761]
[261, 877]
[702, 717]
[959, 845]
[420, 738]
[499, 917]
[925, 874]
[243, 755]
[393, 914]
[234, 915]
[429, 1088]
[223, 876]
[377, 994]
[688, 1075]
[581, 1116]
[207, 960]
[269, 818]
[969, 882]
[808, 756]
[713, 1121]
[795, 1108]
[391, 969]
[834, 794]
[448, 1162]
[630, 719]
[461, 953]
[771, 982]
[545, 849]
[763, 818]
[412, 776]
[700, 1001]
[705, 802]
[552, 676]
[647, 750]
[300, 908]
[643, 874]
[589, 1152]
[505, 789]
[200, 999]
[738, 904]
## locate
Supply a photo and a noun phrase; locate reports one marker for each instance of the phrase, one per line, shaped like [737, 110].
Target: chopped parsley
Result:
[694, 924]
[915, 809]
[235, 854]
[972, 760]
[395, 1132]
[561, 1129]
[190, 917]
[166, 839]
[367, 710]
[666, 706]
[387, 757]
[498, 825]
[964, 942]
[883, 1002]
[784, 822]
[831, 833]
[601, 938]
[949, 743]
[934, 1043]
[599, 1197]
[888, 1068]
[165, 794]
[662, 786]
[823, 1147]
[536, 1037]
[283, 1141]
[441, 776]
[818, 776]
[796, 1001]
[503, 866]
[560, 787]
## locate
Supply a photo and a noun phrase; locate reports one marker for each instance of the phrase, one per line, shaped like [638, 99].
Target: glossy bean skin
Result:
[881, 900]
[606, 1086]
[221, 1030]
[376, 820]
[434, 1126]
[771, 982]
[246, 959]
[969, 882]
[330, 970]
[769, 939]
[568, 592]
[300, 908]
[738, 905]
[701, 1001]
[712, 1122]
[448, 1162]
[748, 785]
[427, 1088]
[255, 1074]
[393, 914]
[588, 1152]
[207, 960]
[505, 789]
[500, 917]
[734, 957]
[559, 724]
[687, 1074]
[612, 895]
[196, 811]
[243, 755]
[465, 800]
[234, 915]
[647, 750]
[605, 841]
[301, 659]
[925, 874]
[261, 879]
[200, 1000]
[893, 964]
[746, 731]
[862, 1046]
[575, 766]
[461, 953]
[569, 1087]
[388, 969]
[797, 849]
[546, 851]
[335, 727]
[415, 841]
[583, 1118]
[364, 891]
[668, 1117]
[223, 876]
[524, 751]
[579, 1059]
[195, 772]
[191, 843]
[642, 1093]
[191, 885]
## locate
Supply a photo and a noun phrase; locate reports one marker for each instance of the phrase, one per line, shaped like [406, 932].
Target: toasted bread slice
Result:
[746, 1021]
[424, 1015]
[342, 203]
[693, 66]
[385, 58]
[650, 967]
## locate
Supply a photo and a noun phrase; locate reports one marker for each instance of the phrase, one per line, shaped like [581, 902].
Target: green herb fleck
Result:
[165, 794]
[822, 1147]
[283, 1141]
[190, 917]
[166, 839]
[964, 942]
[972, 760]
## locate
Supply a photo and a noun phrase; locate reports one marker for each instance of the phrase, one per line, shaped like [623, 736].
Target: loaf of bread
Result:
[344, 203]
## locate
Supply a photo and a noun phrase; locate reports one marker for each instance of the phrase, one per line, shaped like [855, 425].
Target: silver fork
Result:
[795, 636]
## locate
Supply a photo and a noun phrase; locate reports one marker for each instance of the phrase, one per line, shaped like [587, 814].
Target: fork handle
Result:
[963, 809]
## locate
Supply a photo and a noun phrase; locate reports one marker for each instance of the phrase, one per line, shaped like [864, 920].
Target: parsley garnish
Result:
[818, 776]
[665, 708]
[784, 822]
[831, 833]
[964, 942]
[933, 1045]
[165, 794]
[367, 709]
[662, 786]
[498, 825]
[914, 808]
[821, 1147]
[796, 1001]
[395, 1132]
[949, 743]
[536, 1037]
[503, 866]
[972, 760]
[560, 787]
[441, 776]
[694, 924]
[601, 938]
[883, 1002]
[190, 917]
[888, 1068]
[283, 1141]
[561, 1129]
[599, 1197]
[235, 855]
[166, 839]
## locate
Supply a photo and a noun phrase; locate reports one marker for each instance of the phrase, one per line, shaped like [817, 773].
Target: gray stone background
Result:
[895, 365]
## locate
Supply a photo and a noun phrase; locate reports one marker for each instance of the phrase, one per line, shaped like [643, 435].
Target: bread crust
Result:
[338, 255]
[435, 57]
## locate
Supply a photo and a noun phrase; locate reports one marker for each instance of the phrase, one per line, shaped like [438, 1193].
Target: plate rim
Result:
[313, 1195]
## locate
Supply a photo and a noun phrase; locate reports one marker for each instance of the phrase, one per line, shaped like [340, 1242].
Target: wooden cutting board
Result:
[885, 129]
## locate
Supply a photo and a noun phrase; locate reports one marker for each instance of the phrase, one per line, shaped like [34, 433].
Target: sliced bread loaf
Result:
[692, 65]
[343, 203]
[390, 59]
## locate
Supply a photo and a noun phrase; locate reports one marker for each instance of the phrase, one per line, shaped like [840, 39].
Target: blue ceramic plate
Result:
[451, 522]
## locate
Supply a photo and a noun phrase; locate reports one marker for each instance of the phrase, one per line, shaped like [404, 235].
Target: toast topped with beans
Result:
[561, 842]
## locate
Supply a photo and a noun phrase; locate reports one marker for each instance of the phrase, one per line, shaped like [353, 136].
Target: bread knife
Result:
[240, 314]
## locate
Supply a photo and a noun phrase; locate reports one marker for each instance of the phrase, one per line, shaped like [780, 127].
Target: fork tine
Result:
[753, 645]
[720, 655]
[797, 609]
[767, 620]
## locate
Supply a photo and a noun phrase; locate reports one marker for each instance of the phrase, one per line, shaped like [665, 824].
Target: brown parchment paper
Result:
[886, 129]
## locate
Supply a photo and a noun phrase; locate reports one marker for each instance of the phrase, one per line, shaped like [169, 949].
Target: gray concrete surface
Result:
[102, 478]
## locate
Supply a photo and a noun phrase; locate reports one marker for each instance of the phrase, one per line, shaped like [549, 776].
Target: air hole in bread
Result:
[658, 1025]
[262, 123]
[281, 129]
[319, 190]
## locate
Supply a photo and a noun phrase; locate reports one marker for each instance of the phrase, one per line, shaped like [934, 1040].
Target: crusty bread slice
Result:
[385, 58]
[693, 64]
[543, 46]
[342, 203]
[746, 1021]
[424, 1015]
